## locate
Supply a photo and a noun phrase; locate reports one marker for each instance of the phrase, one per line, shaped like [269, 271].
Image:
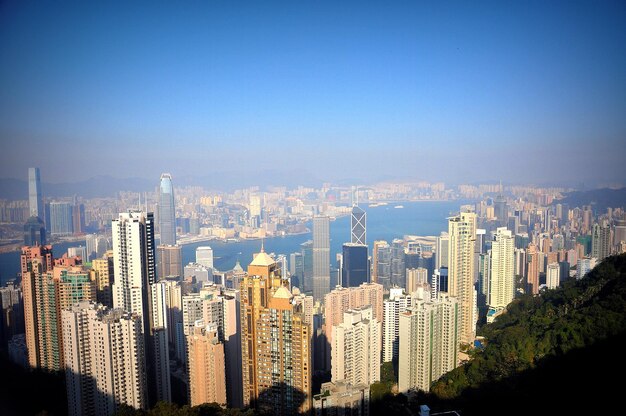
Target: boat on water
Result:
[399, 206]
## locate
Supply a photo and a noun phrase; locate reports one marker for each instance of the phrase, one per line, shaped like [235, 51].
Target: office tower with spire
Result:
[275, 342]
[134, 266]
[356, 347]
[321, 257]
[428, 342]
[462, 235]
[167, 211]
[501, 288]
[104, 359]
[501, 210]
[358, 234]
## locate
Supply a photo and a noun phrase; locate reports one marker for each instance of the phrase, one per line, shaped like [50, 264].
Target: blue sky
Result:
[527, 92]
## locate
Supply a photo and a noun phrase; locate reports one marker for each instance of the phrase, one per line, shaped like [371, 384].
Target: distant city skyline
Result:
[528, 92]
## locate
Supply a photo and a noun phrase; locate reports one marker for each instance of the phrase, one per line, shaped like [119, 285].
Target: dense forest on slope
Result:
[549, 353]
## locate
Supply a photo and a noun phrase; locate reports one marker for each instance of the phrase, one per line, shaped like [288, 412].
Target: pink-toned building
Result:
[341, 299]
[207, 375]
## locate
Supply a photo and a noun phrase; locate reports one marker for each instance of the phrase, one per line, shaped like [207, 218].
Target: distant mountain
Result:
[107, 186]
[99, 186]
[549, 354]
[601, 199]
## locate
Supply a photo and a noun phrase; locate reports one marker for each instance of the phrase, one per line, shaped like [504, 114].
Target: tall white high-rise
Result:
[135, 272]
[462, 235]
[104, 359]
[356, 350]
[397, 303]
[553, 278]
[134, 263]
[321, 257]
[428, 342]
[501, 286]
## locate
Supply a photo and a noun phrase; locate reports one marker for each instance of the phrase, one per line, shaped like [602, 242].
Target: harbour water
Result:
[384, 222]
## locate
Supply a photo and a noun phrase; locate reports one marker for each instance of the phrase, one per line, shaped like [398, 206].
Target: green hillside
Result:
[552, 353]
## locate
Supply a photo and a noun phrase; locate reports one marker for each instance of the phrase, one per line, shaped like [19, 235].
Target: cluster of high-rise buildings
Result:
[133, 326]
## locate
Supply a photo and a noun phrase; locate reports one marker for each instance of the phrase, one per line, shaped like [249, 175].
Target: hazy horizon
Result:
[345, 93]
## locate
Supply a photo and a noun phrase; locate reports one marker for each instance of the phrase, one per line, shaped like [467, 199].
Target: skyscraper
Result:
[415, 278]
[47, 291]
[34, 232]
[428, 342]
[103, 274]
[382, 263]
[355, 266]
[357, 226]
[36, 261]
[553, 275]
[307, 266]
[340, 299]
[501, 210]
[356, 347]
[398, 267]
[61, 222]
[532, 271]
[275, 342]
[601, 240]
[169, 261]
[462, 234]
[167, 211]
[502, 271]
[207, 377]
[442, 250]
[393, 307]
[321, 257]
[35, 201]
[104, 358]
[134, 266]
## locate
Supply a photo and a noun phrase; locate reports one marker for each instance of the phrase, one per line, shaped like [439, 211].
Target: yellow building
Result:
[275, 342]
[462, 234]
